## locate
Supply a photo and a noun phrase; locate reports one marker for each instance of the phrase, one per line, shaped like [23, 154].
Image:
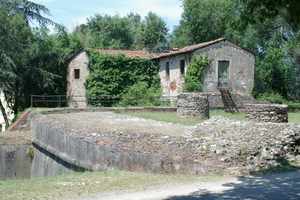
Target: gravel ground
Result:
[110, 122]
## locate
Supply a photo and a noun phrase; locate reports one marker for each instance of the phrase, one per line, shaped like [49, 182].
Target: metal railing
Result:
[48, 101]
[52, 101]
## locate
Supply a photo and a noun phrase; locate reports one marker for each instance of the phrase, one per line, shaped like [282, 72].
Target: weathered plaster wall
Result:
[15, 161]
[173, 84]
[76, 91]
[241, 69]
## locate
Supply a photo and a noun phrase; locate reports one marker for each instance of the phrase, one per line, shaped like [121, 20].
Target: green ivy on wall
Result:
[114, 75]
[193, 81]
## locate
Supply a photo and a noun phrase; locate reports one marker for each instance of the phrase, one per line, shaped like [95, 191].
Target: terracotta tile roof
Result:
[190, 48]
[128, 53]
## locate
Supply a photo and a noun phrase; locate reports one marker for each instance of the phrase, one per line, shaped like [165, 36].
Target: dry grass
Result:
[86, 184]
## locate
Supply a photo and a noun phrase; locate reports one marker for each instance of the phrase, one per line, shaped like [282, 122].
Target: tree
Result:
[288, 9]
[202, 21]
[108, 32]
[154, 33]
[31, 12]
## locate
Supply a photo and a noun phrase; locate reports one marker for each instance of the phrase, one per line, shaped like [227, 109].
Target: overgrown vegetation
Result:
[140, 94]
[133, 80]
[193, 80]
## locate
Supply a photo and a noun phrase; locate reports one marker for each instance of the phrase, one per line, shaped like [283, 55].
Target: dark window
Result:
[223, 73]
[167, 70]
[77, 73]
[182, 67]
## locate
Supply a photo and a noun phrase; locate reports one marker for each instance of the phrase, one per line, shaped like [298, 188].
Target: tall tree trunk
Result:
[4, 114]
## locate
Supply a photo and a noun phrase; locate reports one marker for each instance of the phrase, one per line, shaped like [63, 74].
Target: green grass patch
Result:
[294, 117]
[86, 184]
[173, 118]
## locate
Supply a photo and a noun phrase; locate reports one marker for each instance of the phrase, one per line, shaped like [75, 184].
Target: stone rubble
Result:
[249, 145]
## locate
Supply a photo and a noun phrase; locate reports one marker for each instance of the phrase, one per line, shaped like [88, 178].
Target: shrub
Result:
[140, 94]
[271, 97]
[195, 74]
[114, 75]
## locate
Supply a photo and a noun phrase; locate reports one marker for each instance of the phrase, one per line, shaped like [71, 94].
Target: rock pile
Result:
[193, 105]
[267, 113]
[249, 146]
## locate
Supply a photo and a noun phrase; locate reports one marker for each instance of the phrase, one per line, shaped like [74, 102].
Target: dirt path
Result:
[276, 187]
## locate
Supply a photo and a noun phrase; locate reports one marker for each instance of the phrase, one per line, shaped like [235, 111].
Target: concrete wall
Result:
[76, 91]
[241, 69]
[15, 161]
[132, 151]
[46, 164]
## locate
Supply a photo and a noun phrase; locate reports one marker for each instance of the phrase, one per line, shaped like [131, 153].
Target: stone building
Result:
[78, 71]
[231, 67]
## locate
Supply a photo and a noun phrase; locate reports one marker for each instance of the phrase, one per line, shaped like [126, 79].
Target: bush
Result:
[272, 98]
[195, 74]
[114, 75]
[141, 94]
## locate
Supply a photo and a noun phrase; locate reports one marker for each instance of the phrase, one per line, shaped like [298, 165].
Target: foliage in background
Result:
[140, 94]
[193, 80]
[32, 60]
[270, 29]
[201, 21]
[114, 75]
[271, 97]
[129, 32]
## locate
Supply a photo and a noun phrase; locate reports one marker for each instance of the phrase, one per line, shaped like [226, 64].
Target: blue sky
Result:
[74, 12]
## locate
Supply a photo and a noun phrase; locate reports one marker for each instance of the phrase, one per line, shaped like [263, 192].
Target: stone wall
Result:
[241, 69]
[76, 91]
[267, 113]
[193, 105]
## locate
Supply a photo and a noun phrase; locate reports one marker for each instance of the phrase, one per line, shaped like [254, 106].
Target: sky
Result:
[71, 13]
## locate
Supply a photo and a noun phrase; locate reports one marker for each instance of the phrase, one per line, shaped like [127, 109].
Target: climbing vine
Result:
[195, 74]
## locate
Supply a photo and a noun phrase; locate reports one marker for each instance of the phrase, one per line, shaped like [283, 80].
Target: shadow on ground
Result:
[283, 186]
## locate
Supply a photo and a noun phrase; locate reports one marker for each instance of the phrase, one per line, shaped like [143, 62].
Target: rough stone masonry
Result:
[193, 105]
[267, 113]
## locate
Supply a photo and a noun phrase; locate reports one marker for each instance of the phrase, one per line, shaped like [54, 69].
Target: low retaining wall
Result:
[267, 113]
[126, 151]
[193, 105]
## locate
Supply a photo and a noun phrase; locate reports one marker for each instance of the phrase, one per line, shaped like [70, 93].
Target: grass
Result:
[86, 184]
[294, 117]
[173, 118]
